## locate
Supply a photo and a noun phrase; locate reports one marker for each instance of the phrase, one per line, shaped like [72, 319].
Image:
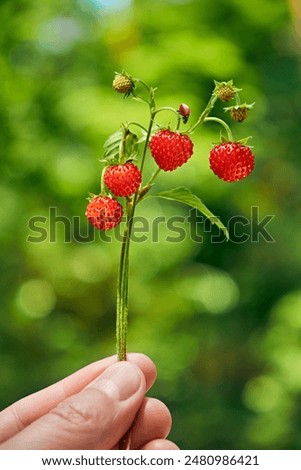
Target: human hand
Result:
[91, 409]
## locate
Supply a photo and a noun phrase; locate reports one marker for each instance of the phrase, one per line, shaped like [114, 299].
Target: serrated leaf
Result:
[142, 138]
[122, 145]
[112, 146]
[130, 145]
[140, 100]
[113, 138]
[185, 196]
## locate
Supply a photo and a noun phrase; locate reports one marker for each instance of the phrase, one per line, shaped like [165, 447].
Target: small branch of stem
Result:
[237, 99]
[122, 145]
[153, 177]
[149, 131]
[166, 108]
[132, 123]
[222, 123]
[102, 183]
[204, 114]
[142, 82]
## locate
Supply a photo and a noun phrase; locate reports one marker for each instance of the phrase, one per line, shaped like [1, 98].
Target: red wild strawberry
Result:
[170, 149]
[104, 212]
[123, 180]
[231, 161]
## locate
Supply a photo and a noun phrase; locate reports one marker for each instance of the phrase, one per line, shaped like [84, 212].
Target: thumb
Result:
[95, 418]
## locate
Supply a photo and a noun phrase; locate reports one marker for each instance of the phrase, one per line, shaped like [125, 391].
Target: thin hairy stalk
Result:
[204, 114]
[123, 277]
[223, 124]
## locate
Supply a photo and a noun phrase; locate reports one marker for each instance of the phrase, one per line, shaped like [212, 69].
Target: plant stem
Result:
[102, 183]
[166, 108]
[237, 99]
[123, 276]
[154, 175]
[222, 123]
[122, 308]
[133, 123]
[142, 82]
[204, 114]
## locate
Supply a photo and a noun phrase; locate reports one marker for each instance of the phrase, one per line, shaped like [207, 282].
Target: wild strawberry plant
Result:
[124, 161]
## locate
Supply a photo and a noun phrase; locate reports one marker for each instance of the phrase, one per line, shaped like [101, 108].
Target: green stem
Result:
[237, 99]
[123, 276]
[222, 123]
[132, 123]
[122, 308]
[122, 146]
[149, 131]
[102, 182]
[142, 82]
[154, 175]
[166, 108]
[204, 114]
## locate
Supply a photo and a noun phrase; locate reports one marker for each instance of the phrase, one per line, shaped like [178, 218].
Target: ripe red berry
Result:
[170, 149]
[123, 180]
[104, 212]
[231, 161]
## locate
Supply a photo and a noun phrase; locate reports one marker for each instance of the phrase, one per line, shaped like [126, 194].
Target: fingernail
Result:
[121, 380]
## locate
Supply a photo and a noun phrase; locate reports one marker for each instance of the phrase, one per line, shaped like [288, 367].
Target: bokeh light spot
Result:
[73, 174]
[108, 5]
[59, 34]
[263, 394]
[36, 298]
[215, 290]
[288, 310]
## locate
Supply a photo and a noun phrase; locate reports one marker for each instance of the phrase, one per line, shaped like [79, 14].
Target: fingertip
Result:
[153, 421]
[146, 365]
[121, 380]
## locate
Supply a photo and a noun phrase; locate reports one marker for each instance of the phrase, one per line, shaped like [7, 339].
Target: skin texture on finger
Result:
[22, 413]
[160, 444]
[153, 421]
[95, 418]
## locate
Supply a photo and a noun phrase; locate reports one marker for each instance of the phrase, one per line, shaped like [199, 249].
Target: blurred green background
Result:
[222, 321]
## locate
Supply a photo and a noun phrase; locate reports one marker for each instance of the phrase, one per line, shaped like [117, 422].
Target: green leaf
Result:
[185, 196]
[121, 146]
[112, 146]
[130, 145]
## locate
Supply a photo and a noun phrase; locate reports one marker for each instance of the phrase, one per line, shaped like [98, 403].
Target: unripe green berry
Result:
[124, 84]
[239, 114]
[225, 93]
